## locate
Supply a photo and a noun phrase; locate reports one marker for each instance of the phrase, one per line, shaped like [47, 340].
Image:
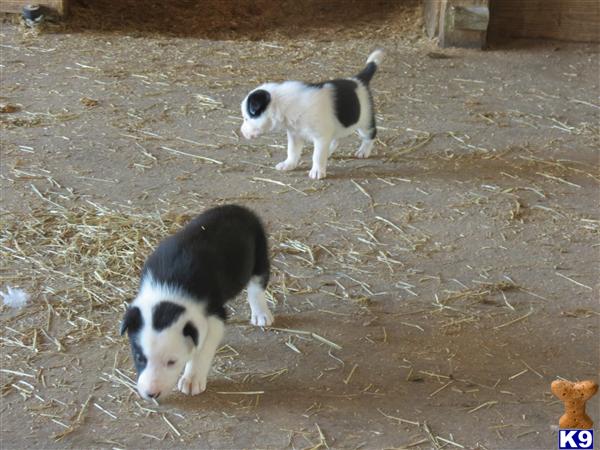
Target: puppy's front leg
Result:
[320, 154]
[294, 151]
[193, 380]
[260, 314]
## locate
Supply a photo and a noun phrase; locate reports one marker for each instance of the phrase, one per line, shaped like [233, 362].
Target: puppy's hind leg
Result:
[333, 147]
[260, 314]
[195, 374]
[294, 151]
[368, 138]
[320, 154]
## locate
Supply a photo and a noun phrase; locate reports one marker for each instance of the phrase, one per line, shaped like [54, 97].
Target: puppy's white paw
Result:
[363, 152]
[261, 318]
[286, 165]
[191, 384]
[317, 173]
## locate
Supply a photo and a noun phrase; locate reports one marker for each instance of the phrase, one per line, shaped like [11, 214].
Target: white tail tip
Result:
[376, 57]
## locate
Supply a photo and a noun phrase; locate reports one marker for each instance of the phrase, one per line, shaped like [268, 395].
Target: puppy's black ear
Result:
[132, 321]
[190, 330]
[258, 102]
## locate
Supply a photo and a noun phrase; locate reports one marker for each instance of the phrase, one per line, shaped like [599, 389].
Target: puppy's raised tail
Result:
[373, 61]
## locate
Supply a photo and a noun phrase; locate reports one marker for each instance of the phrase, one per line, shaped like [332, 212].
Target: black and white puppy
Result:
[317, 112]
[177, 318]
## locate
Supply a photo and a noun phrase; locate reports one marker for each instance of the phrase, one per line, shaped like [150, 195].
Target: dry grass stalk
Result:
[399, 419]
[191, 155]
[77, 422]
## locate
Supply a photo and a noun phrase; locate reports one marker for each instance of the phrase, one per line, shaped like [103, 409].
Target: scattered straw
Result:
[399, 419]
[307, 333]
[573, 281]
[280, 183]
[448, 441]
[203, 158]
[347, 379]
[168, 422]
[518, 319]
[441, 389]
[364, 192]
[76, 423]
[532, 369]
[561, 180]
[322, 441]
[483, 405]
[516, 375]
[108, 413]
[16, 372]
[241, 393]
[291, 345]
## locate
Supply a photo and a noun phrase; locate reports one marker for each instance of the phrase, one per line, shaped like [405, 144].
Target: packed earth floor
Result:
[424, 298]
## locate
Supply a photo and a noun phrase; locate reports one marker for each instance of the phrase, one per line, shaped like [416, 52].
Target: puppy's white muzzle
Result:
[149, 391]
[154, 383]
[248, 132]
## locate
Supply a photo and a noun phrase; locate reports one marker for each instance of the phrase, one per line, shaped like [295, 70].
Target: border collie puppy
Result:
[177, 318]
[317, 112]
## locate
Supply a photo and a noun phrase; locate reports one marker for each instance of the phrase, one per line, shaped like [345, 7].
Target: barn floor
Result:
[424, 298]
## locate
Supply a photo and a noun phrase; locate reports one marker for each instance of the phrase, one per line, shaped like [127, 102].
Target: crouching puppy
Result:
[318, 112]
[176, 321]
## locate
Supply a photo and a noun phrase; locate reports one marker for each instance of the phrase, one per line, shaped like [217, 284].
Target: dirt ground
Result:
[424, 298]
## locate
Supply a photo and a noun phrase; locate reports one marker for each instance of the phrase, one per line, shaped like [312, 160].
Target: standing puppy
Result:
[318, 112]
[177, 318]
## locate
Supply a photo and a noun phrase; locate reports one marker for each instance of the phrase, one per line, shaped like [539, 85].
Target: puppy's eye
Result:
[140, 358]
[171, 362]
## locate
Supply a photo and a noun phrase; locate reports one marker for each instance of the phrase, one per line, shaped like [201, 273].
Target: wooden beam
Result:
[16, 6]
[569, 20]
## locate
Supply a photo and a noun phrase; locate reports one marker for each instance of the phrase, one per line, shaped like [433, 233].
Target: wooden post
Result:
[431, 16]
[463, 23]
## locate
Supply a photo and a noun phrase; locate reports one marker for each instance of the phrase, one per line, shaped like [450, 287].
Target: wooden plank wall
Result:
[15, 6]
[569, 20]
[454, 37]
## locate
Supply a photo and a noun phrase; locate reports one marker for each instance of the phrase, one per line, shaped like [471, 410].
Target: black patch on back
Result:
[213, 257]
[257, 102]
[346, 104]
[132, 321]
[164, 314]
[190, 330]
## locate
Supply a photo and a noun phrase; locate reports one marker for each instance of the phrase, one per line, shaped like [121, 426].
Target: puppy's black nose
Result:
[153, 394]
